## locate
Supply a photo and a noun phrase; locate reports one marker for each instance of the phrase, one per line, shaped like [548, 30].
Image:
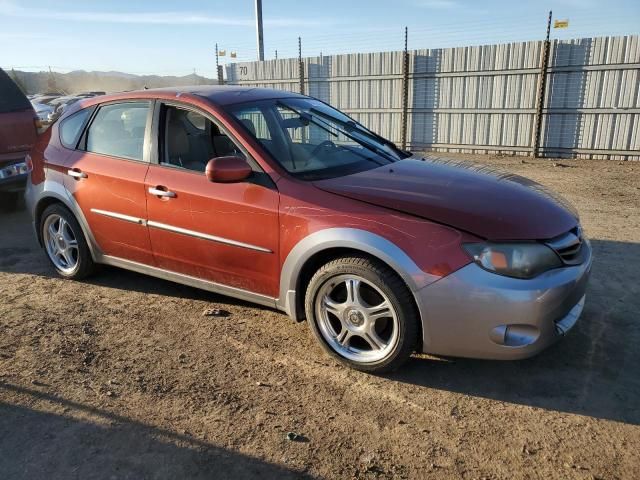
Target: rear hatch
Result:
[17, 127]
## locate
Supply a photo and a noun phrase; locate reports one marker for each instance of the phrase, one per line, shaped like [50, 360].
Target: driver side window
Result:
[189, 140]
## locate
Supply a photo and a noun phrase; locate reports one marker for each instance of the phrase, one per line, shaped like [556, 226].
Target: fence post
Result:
[542, 85]
[218, 68]
[300, 66]
[405, 89]
[220, 75]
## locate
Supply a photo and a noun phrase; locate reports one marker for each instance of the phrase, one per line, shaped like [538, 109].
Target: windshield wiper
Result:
[368, 146]
[352, 125]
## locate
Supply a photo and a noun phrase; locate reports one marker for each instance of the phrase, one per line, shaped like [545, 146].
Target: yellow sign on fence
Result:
[561, 24]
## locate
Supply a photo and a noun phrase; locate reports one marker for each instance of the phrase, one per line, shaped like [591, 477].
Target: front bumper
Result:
[478, 314]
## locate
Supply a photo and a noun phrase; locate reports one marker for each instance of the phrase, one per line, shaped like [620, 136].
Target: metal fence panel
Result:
[481, 98]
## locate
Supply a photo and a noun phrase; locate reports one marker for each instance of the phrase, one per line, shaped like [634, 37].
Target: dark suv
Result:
[17, 135]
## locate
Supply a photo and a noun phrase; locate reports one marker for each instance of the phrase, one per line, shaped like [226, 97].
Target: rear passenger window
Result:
[70, 128]
[118, 130]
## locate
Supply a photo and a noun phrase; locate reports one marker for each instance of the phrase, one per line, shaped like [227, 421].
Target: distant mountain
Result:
[81, 81]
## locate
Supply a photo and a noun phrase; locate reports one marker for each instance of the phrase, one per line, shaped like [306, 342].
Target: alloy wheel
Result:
[61, 243]
[356, 318]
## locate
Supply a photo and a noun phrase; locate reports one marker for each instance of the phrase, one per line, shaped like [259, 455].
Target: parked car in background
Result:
[60, 104]
[45, 98]
[17, 134]
[280, 199]
[43, 111]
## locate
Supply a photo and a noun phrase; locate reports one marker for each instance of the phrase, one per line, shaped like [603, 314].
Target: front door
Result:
[105, 175]
[226, 233]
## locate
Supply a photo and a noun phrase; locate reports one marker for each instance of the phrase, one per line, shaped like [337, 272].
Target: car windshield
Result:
[313, 141]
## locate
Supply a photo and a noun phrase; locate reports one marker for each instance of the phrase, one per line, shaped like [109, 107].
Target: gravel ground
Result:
[123, 376]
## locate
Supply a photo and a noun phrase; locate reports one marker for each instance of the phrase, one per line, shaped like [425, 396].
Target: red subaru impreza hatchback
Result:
[279, 199]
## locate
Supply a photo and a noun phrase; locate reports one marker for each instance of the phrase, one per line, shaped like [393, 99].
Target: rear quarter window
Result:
[71, 127]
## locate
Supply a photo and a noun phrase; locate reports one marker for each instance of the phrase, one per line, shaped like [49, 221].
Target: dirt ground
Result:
[122, 377]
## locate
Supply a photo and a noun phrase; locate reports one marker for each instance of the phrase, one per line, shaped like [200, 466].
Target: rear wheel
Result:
[362, 314]
[64, 243]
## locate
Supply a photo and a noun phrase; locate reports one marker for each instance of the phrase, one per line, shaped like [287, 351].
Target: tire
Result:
[374, 329]
[76, 263]
[9, 201]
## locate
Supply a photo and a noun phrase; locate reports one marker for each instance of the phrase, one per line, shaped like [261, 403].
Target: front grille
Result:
[569, 246]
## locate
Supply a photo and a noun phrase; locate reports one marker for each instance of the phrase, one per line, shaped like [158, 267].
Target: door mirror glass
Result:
[227, 170]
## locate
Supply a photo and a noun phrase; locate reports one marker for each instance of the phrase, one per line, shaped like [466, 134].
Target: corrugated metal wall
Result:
[482, 98]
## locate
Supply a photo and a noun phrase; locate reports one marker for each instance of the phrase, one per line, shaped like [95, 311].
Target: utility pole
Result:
[259, 30]
[52, 86]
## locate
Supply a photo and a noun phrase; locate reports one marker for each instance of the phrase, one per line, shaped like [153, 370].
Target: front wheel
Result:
[362, 314]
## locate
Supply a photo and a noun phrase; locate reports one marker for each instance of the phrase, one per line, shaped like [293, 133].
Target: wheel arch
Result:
[325, 245]
[49, 198]
[40, 207]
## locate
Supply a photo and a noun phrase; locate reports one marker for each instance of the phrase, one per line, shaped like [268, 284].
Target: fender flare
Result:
[36, 194]
[352, 238]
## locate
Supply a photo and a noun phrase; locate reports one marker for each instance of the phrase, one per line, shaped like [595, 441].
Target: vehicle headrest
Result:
[177, 140]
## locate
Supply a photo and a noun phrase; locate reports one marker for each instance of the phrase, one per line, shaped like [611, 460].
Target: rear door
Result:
[105, 175]
[222, 232]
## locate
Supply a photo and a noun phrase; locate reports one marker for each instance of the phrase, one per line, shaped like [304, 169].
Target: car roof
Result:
[216, 94]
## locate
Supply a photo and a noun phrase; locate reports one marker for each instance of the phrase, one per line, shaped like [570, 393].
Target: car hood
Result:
[478, 199]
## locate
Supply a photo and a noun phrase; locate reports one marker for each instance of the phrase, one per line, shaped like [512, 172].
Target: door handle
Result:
[159, 192]
[76, 173]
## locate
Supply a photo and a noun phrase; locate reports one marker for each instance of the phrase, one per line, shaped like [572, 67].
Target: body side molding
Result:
[119, 216]
[206, 236]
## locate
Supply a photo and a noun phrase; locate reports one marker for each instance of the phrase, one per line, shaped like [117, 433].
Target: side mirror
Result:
[227, 170]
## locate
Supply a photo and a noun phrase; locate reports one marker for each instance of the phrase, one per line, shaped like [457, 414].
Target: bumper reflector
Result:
[514, 335]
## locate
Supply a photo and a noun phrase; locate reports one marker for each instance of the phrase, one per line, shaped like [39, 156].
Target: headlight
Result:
[519, 260]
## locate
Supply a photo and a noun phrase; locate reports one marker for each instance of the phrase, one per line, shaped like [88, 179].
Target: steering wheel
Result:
[325, 144]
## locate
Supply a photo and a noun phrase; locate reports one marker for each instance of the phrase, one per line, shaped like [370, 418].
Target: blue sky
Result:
[175, 37]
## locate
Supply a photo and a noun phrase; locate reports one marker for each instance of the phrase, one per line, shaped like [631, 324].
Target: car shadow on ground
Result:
[593, 371]
[86, 442]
